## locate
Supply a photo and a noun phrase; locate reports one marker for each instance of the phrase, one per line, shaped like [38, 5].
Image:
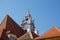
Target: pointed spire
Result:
[27, 22]
[28, 13]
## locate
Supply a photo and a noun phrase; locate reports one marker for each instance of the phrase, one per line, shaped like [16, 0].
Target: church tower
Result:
[28, 23]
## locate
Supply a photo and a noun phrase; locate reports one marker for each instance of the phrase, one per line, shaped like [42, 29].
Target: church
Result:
[10, 30]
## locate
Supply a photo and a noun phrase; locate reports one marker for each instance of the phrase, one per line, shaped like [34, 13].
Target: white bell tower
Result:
[28, 23]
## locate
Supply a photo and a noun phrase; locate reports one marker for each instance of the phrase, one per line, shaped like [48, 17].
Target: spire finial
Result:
[28, 13]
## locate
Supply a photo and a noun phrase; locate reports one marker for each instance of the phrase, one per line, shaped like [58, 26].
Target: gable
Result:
[53, 32]
[8, 24]
[26, 36]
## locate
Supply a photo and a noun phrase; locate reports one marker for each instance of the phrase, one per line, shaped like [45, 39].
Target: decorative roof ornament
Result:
[28, 13]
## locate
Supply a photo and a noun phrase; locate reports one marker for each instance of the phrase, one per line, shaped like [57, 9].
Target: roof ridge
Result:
[55, 27]
[4, 20]
[51, 29]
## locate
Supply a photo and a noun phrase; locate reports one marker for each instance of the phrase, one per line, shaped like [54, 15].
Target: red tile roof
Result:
[1, 32]
[8, 24]
[53, 32]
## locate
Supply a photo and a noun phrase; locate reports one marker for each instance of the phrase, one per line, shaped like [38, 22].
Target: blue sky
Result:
[46, 13]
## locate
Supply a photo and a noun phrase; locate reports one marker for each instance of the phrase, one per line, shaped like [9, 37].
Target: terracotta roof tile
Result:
[53, 32]
[8, 24]
[1, 32]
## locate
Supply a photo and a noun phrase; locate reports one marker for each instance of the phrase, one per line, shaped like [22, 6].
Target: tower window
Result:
[26, 19]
